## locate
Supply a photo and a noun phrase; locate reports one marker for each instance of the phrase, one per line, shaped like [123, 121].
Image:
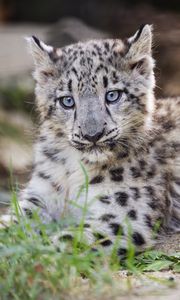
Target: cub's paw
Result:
[63, 236]
[7, 220]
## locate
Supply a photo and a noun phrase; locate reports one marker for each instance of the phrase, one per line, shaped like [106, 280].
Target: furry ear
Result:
[44, 58]
[140, 43]
[40, 51]
[139, 53]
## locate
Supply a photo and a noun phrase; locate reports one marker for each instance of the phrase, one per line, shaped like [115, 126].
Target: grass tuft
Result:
[31, 267]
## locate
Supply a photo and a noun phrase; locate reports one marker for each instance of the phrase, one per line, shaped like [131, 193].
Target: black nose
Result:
[94, 137]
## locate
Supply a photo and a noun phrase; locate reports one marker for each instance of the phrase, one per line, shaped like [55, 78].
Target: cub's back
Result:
[167, 120]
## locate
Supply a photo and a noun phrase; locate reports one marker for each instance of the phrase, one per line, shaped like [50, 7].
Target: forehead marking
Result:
[106, 46]
[105, 81]
[75, 72]
[101, 67]
[70, 85]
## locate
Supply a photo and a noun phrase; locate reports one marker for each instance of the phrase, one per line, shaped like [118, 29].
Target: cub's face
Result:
[98, 94]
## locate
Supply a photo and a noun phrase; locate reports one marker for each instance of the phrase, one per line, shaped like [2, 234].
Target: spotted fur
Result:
[133, 166]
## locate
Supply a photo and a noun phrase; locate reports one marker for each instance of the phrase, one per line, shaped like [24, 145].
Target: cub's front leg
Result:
[42, 196]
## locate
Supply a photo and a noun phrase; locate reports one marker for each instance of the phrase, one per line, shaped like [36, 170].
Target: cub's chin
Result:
[97, 155]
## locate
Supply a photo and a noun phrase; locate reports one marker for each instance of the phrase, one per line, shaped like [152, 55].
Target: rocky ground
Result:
[151, 286]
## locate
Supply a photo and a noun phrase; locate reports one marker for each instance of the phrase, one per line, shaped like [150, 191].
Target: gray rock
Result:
[71, 30]
[14, 57]
[5, 198]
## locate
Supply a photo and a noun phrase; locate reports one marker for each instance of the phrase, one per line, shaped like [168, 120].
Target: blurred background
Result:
[61, 22]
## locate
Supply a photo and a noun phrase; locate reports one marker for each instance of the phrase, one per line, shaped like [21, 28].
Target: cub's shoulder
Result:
[167, 114]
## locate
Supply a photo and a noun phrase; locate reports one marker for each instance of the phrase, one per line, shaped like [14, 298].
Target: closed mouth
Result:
[89, 147]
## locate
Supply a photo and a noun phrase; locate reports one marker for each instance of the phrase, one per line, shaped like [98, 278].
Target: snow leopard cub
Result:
[97, 108]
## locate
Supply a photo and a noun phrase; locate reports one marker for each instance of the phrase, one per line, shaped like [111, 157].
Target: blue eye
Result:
[67, 102]
[113, 96]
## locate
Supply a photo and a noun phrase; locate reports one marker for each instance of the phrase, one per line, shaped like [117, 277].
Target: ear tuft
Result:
[33, 41]
[37, 42]
[39, 50]
[141, 42]
[44, 57]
